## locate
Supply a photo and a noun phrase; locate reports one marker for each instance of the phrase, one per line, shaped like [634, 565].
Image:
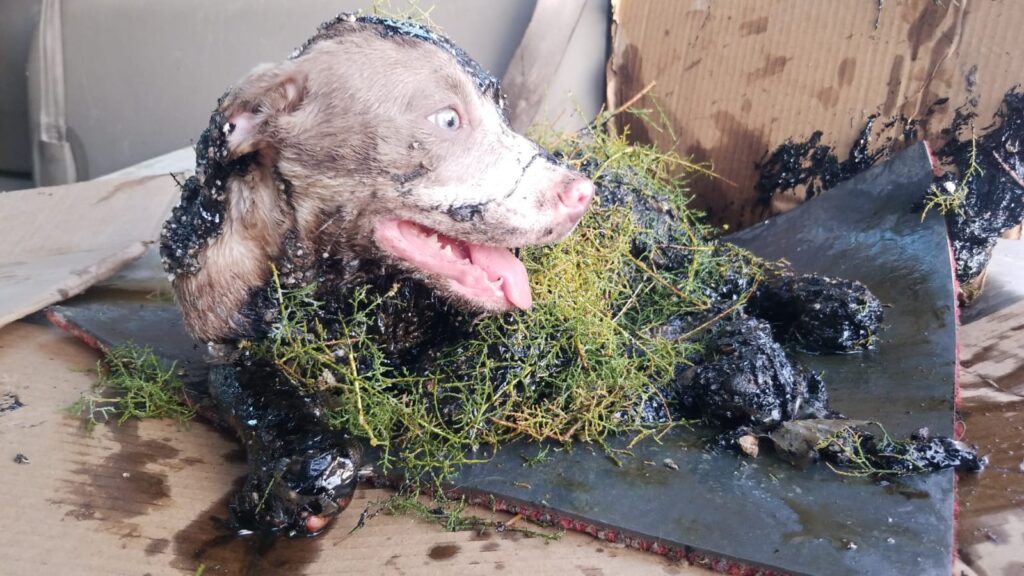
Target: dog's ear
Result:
[251, 106]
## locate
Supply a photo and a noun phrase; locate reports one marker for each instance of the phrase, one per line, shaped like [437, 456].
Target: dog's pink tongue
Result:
[501, 263]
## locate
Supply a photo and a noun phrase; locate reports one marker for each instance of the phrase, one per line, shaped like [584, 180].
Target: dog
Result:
[380, 156]
[377, 143]
[379, 150]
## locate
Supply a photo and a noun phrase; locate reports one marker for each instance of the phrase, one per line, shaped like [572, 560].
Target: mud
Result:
[994, 201]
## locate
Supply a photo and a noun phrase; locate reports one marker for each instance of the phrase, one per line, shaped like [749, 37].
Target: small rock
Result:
[749, 445]
[20, 458]
[670, 464]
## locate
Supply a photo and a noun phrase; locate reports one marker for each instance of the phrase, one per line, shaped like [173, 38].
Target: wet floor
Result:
[991, 527]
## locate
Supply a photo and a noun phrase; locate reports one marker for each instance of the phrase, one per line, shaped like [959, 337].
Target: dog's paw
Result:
[299, 495]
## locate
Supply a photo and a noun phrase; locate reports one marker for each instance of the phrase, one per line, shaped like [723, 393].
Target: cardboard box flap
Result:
[735, 79]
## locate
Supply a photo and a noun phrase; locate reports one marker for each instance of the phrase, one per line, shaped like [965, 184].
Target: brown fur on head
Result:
[370, 145]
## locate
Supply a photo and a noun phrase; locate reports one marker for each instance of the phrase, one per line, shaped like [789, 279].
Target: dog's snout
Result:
[576, 194]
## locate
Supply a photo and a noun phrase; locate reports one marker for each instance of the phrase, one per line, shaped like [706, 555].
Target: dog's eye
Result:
[446, 118]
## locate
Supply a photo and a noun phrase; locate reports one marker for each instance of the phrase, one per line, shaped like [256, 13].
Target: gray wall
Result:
[17, 20]
[143, 75]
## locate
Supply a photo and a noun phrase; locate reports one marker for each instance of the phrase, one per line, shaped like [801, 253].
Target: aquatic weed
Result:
[587, 362]
[948, 197]
[133, 383]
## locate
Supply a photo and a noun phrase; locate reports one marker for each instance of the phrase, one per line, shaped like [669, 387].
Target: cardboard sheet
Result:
[55, 242]
[736, 78]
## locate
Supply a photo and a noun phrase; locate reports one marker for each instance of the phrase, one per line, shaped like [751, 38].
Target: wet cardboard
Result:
[718, 509]
[737, 78]
[990, 531]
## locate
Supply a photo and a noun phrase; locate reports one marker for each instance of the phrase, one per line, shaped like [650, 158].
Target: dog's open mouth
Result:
[489, 276]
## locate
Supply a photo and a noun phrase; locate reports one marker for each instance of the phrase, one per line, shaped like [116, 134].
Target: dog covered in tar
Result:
[379, 153]
[379, 157]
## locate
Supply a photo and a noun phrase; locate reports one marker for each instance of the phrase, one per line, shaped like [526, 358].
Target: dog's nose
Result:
[576, 194]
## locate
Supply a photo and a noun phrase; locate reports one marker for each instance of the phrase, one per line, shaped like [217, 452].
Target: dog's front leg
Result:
[300, 471]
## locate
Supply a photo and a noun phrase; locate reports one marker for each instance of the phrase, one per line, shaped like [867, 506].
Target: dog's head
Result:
[401, 139]
[378, 141]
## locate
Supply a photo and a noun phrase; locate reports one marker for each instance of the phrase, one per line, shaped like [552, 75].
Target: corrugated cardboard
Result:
[737, 78]
[56, 242]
